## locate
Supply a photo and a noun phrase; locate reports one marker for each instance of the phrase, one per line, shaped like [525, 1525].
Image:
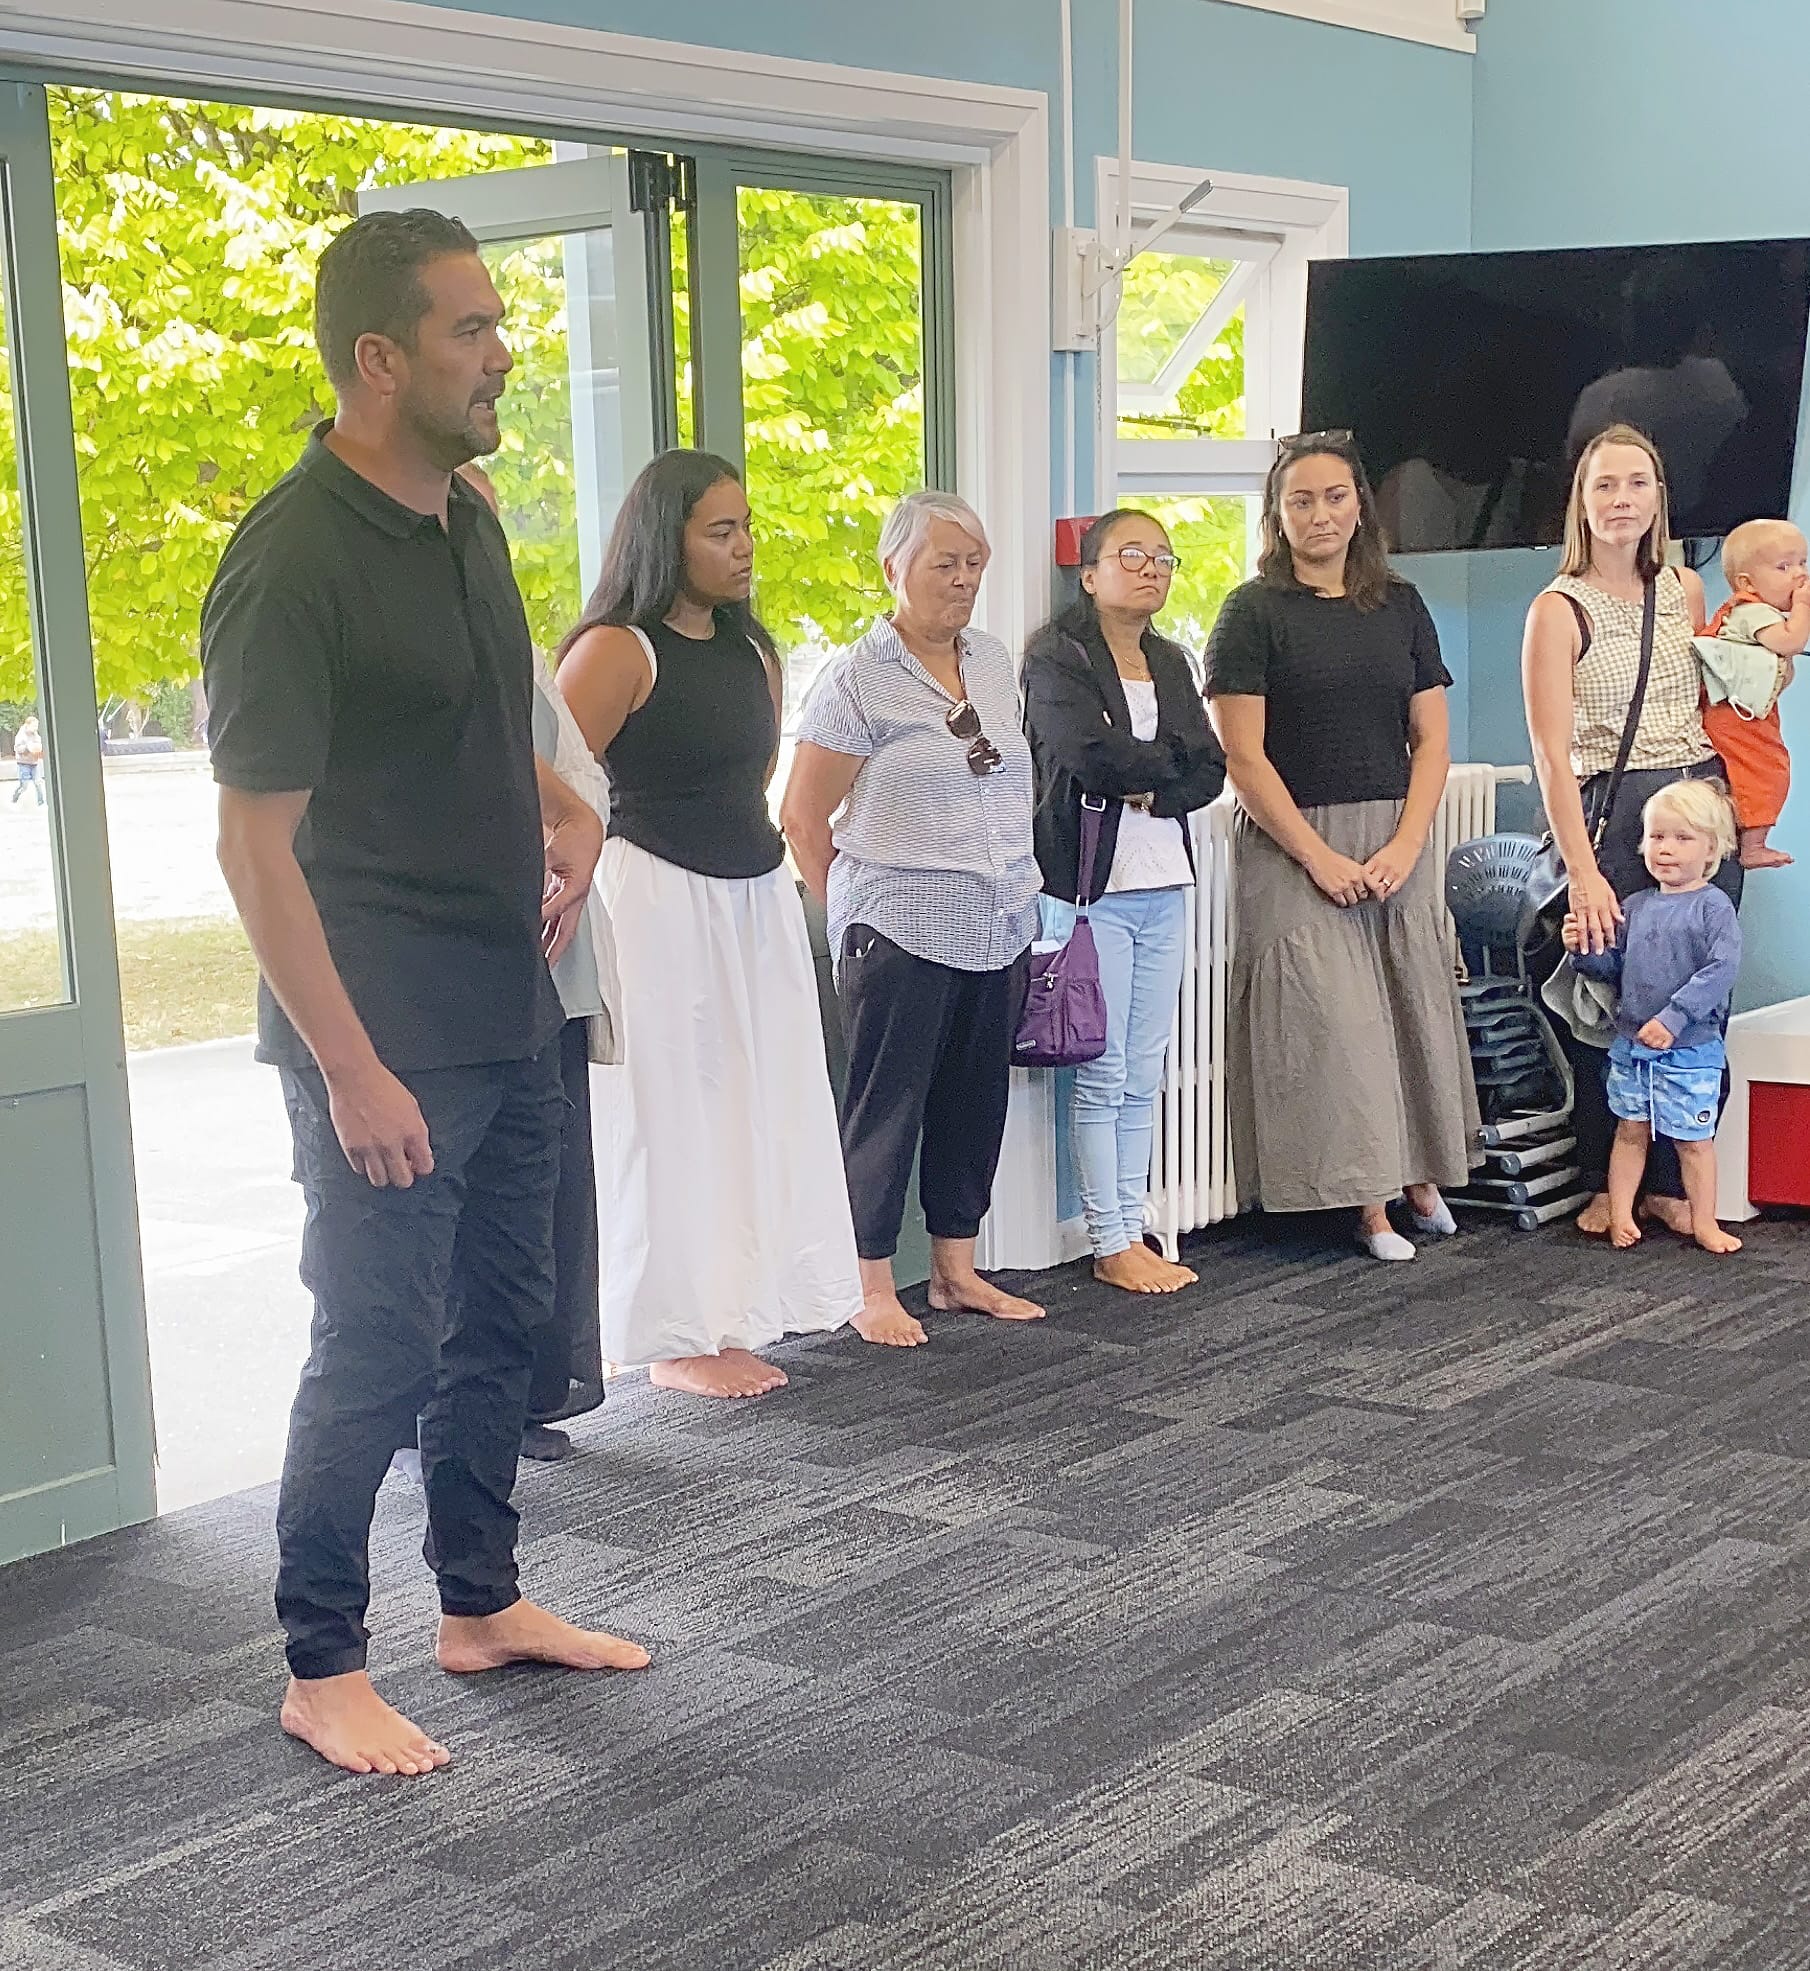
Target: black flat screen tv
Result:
[1471, 380]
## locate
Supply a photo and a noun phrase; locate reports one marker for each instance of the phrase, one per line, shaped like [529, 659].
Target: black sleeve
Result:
[267, 642]
[1238, 651]
[1430, 672]
[1066, 720]
[1203, 774]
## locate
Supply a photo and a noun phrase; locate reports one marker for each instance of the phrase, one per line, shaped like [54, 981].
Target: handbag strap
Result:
[1092, 819]
[1649, 610]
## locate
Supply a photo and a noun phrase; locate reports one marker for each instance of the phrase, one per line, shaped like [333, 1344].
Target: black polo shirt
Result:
[361, 651]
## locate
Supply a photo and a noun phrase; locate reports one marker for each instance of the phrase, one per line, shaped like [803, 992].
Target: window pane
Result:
[31, 944]
[1180, 367]
[1215, 539]
[833, 406]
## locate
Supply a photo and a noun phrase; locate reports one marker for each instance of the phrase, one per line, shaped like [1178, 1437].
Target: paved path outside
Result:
[221, 1226]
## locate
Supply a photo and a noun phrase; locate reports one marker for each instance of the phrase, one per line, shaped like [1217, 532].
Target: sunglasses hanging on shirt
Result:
[964, 722]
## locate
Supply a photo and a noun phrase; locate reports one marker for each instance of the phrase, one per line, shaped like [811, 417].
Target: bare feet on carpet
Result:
[885, 1322]
[1139, 1270]
[525, 1633]
[1623, 1232]
[1712, 1238]
[350, 1726]
[955, 1293]
[735, 1372]
[1593, 1220]
[1673, 1213]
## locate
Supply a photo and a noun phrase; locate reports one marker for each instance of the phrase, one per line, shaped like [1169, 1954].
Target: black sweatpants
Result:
[930, 1056]
[429, 1303]
[1619, 859]
[571, 1345]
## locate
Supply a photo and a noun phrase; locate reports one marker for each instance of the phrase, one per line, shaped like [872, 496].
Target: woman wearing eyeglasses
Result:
[1350, 1079]
[908, 812]
[1115, 724]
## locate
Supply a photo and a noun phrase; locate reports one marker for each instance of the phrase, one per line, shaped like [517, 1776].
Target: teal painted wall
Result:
[1227, 87]
[1588, 131]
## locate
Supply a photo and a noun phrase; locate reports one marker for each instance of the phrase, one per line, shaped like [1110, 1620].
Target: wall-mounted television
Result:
[1471, 380]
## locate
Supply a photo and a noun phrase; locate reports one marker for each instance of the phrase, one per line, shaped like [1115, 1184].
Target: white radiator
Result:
[1191, 1181]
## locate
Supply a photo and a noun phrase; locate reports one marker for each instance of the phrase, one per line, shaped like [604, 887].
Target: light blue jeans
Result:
[1140, 936]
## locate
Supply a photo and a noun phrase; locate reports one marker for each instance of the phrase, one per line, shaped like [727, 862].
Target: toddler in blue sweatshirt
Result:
[1675, 959]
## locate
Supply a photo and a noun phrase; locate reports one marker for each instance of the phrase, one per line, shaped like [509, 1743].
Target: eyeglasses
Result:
[1134, 558]
[964, 722]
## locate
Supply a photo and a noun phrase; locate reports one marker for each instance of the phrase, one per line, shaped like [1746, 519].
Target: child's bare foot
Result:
[1712, 1238]
[1758, 853]
[1623, 1232]
[1594, 1219]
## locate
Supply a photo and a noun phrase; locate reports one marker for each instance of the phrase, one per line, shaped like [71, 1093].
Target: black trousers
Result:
[1619, 859]
[428, 1302]
[930, 1056]
[571, 1345]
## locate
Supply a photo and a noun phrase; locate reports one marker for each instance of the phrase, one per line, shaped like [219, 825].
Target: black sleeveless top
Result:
[686, 769]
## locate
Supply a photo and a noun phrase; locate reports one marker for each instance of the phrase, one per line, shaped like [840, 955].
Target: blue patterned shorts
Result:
[1676, 1097]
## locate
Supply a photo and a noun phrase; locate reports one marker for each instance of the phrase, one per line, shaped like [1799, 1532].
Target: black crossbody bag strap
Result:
[1649, 611]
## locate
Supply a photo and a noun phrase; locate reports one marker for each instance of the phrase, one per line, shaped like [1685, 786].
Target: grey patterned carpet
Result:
[1334, 1615]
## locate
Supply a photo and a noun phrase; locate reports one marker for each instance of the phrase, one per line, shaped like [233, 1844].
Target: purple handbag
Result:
[1064, 1020]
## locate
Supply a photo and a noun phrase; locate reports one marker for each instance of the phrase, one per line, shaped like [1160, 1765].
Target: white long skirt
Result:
[721, 1199]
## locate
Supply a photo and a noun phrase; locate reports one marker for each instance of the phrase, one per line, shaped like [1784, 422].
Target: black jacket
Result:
[1079, 727]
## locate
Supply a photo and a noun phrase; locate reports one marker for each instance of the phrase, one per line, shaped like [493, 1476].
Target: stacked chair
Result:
[1524, 1085]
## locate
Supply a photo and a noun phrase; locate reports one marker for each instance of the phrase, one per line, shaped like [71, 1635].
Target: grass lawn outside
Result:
[182, 980]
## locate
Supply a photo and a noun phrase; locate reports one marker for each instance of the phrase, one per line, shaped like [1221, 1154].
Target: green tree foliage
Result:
[190, 233]
[833, 399]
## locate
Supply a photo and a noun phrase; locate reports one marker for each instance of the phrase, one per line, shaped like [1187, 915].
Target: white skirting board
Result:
[1192, 1183]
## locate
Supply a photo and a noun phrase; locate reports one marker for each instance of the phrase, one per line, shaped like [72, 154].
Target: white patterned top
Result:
[929, 853]
[1671, 720]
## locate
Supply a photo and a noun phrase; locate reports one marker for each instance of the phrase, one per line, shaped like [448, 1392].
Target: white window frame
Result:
[1276, 226]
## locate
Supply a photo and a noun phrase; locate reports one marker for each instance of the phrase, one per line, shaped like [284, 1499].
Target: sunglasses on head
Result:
[1315, 441]
[964, 722]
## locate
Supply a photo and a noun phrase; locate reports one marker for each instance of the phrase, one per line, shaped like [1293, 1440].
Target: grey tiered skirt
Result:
[1349, 1074]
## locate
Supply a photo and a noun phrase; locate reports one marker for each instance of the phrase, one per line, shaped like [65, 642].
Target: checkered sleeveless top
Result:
[1671, 721]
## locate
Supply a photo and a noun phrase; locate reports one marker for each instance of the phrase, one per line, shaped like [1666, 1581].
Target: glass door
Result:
[569, 254]
[76, 1444]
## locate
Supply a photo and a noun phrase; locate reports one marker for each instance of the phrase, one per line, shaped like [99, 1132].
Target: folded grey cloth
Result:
[1587, 1006]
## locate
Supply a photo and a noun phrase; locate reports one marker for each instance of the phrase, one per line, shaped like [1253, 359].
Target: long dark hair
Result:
[644, 564]
[1368, 576]
[1081, 618]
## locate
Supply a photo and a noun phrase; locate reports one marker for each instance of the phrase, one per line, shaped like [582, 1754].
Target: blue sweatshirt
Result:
[1675, 959]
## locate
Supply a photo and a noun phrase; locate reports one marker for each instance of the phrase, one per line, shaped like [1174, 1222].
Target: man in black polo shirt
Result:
[389, 838]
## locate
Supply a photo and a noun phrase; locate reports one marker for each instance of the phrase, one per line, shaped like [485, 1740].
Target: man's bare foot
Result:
[350, 1726]
[1593, 1220]
[524, 1633]
[1139, 1270]
[1712, 1238]
[1673, 1213]
[955, 1293]
[885, 1322]
[735, 1372]
[1623, 1232]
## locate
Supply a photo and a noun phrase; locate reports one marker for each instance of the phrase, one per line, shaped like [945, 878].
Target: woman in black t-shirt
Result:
[1349, 1078]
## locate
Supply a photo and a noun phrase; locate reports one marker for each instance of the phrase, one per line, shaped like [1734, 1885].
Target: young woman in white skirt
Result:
[1350, 1080]
[725, 1217]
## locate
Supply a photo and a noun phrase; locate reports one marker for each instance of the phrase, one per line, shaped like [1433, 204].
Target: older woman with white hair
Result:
[908, 813]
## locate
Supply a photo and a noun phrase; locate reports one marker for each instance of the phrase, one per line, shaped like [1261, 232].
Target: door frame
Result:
[443, 64]
[78, 1046]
